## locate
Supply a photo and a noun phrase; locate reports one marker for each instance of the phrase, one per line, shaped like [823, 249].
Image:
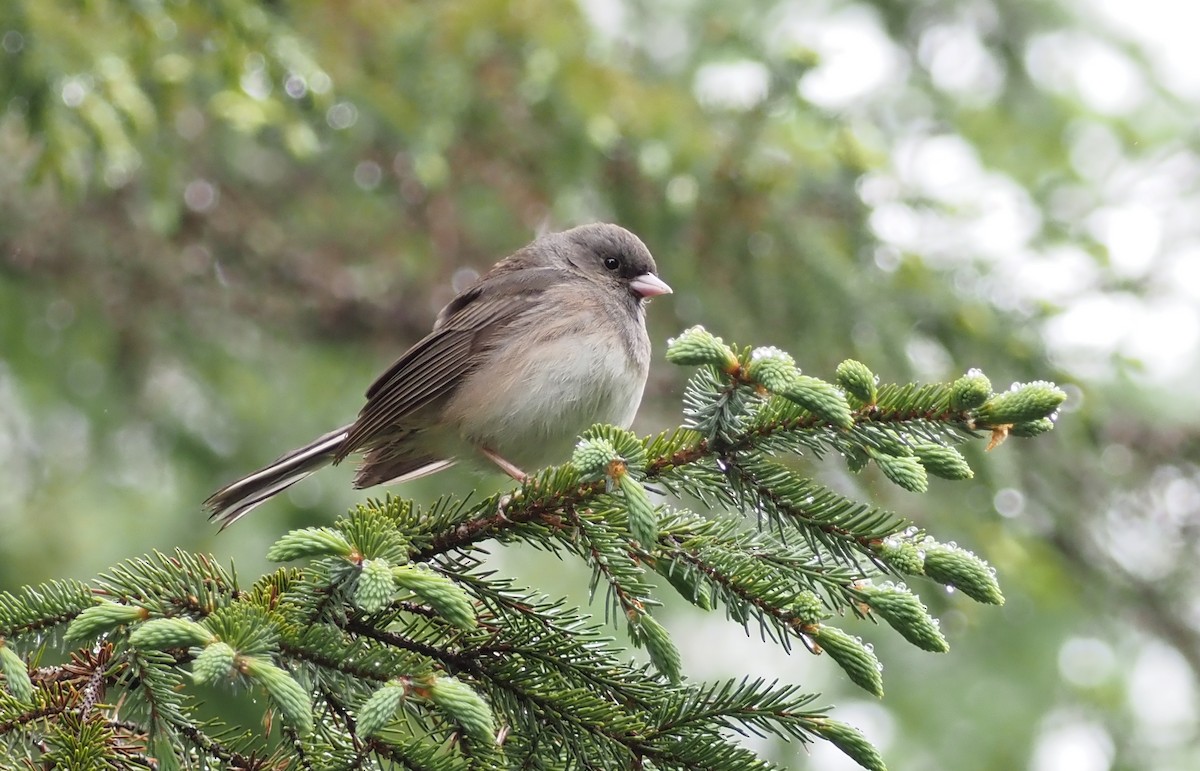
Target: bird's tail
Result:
[235, 500]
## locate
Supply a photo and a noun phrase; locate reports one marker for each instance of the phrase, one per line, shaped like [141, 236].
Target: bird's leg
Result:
[504, 465]
[509, 469]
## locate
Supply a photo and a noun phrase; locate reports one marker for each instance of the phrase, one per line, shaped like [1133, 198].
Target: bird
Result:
[549, 341]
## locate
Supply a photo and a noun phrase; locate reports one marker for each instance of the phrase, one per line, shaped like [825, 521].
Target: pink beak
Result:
[649, 285]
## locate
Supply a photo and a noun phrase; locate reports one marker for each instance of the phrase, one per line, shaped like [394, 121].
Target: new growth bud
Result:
[698, 347]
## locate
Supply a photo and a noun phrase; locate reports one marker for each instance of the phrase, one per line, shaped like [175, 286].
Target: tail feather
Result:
[398, 462]
[235, 500]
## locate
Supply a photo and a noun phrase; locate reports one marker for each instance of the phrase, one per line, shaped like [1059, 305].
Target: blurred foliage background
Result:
[218, 221]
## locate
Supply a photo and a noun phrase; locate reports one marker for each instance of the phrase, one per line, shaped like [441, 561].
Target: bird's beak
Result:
[649, 285]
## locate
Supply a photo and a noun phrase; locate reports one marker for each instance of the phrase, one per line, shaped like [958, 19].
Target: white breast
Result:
[529, 404]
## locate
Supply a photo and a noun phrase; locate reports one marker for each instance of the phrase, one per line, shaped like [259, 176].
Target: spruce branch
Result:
[387, 641]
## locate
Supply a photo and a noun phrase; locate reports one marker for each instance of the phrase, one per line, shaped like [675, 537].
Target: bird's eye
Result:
[612, 263]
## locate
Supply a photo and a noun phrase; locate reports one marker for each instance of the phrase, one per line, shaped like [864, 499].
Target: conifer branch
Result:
[387, 642]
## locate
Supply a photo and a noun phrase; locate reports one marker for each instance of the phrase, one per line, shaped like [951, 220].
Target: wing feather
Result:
[430, 371]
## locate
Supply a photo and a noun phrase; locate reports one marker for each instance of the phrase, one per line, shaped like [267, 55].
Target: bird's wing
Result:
[432, 370]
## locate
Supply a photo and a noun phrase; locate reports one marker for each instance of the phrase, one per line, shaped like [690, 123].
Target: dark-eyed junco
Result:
[549, 341]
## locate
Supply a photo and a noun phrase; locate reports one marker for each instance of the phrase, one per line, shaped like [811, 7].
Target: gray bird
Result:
[549, 341]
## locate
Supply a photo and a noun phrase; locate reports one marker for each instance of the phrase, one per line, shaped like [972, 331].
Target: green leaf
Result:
[291, 698]
[214, 663]
[309, 542]
[857, 380]
[856, 459]
[380, 709]
[664, 655]
[697, 347]
[905, 613]
[689, 583]
[1032, 428]
[102, 618]
[819, 398]
[465, 706]
[856, 659]
[942, 461]
[16, 674]
[1023, 404]
[905, 470]
[808, 609]
[629, 448]
[771, 368]
[959, 568]
[643, 520]
[970, 391]
[250, 628]
[902, 555]
[592, 458]
[443, 595]
[371, 528]
[163, 633]
[850, 741]
[376, 585]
